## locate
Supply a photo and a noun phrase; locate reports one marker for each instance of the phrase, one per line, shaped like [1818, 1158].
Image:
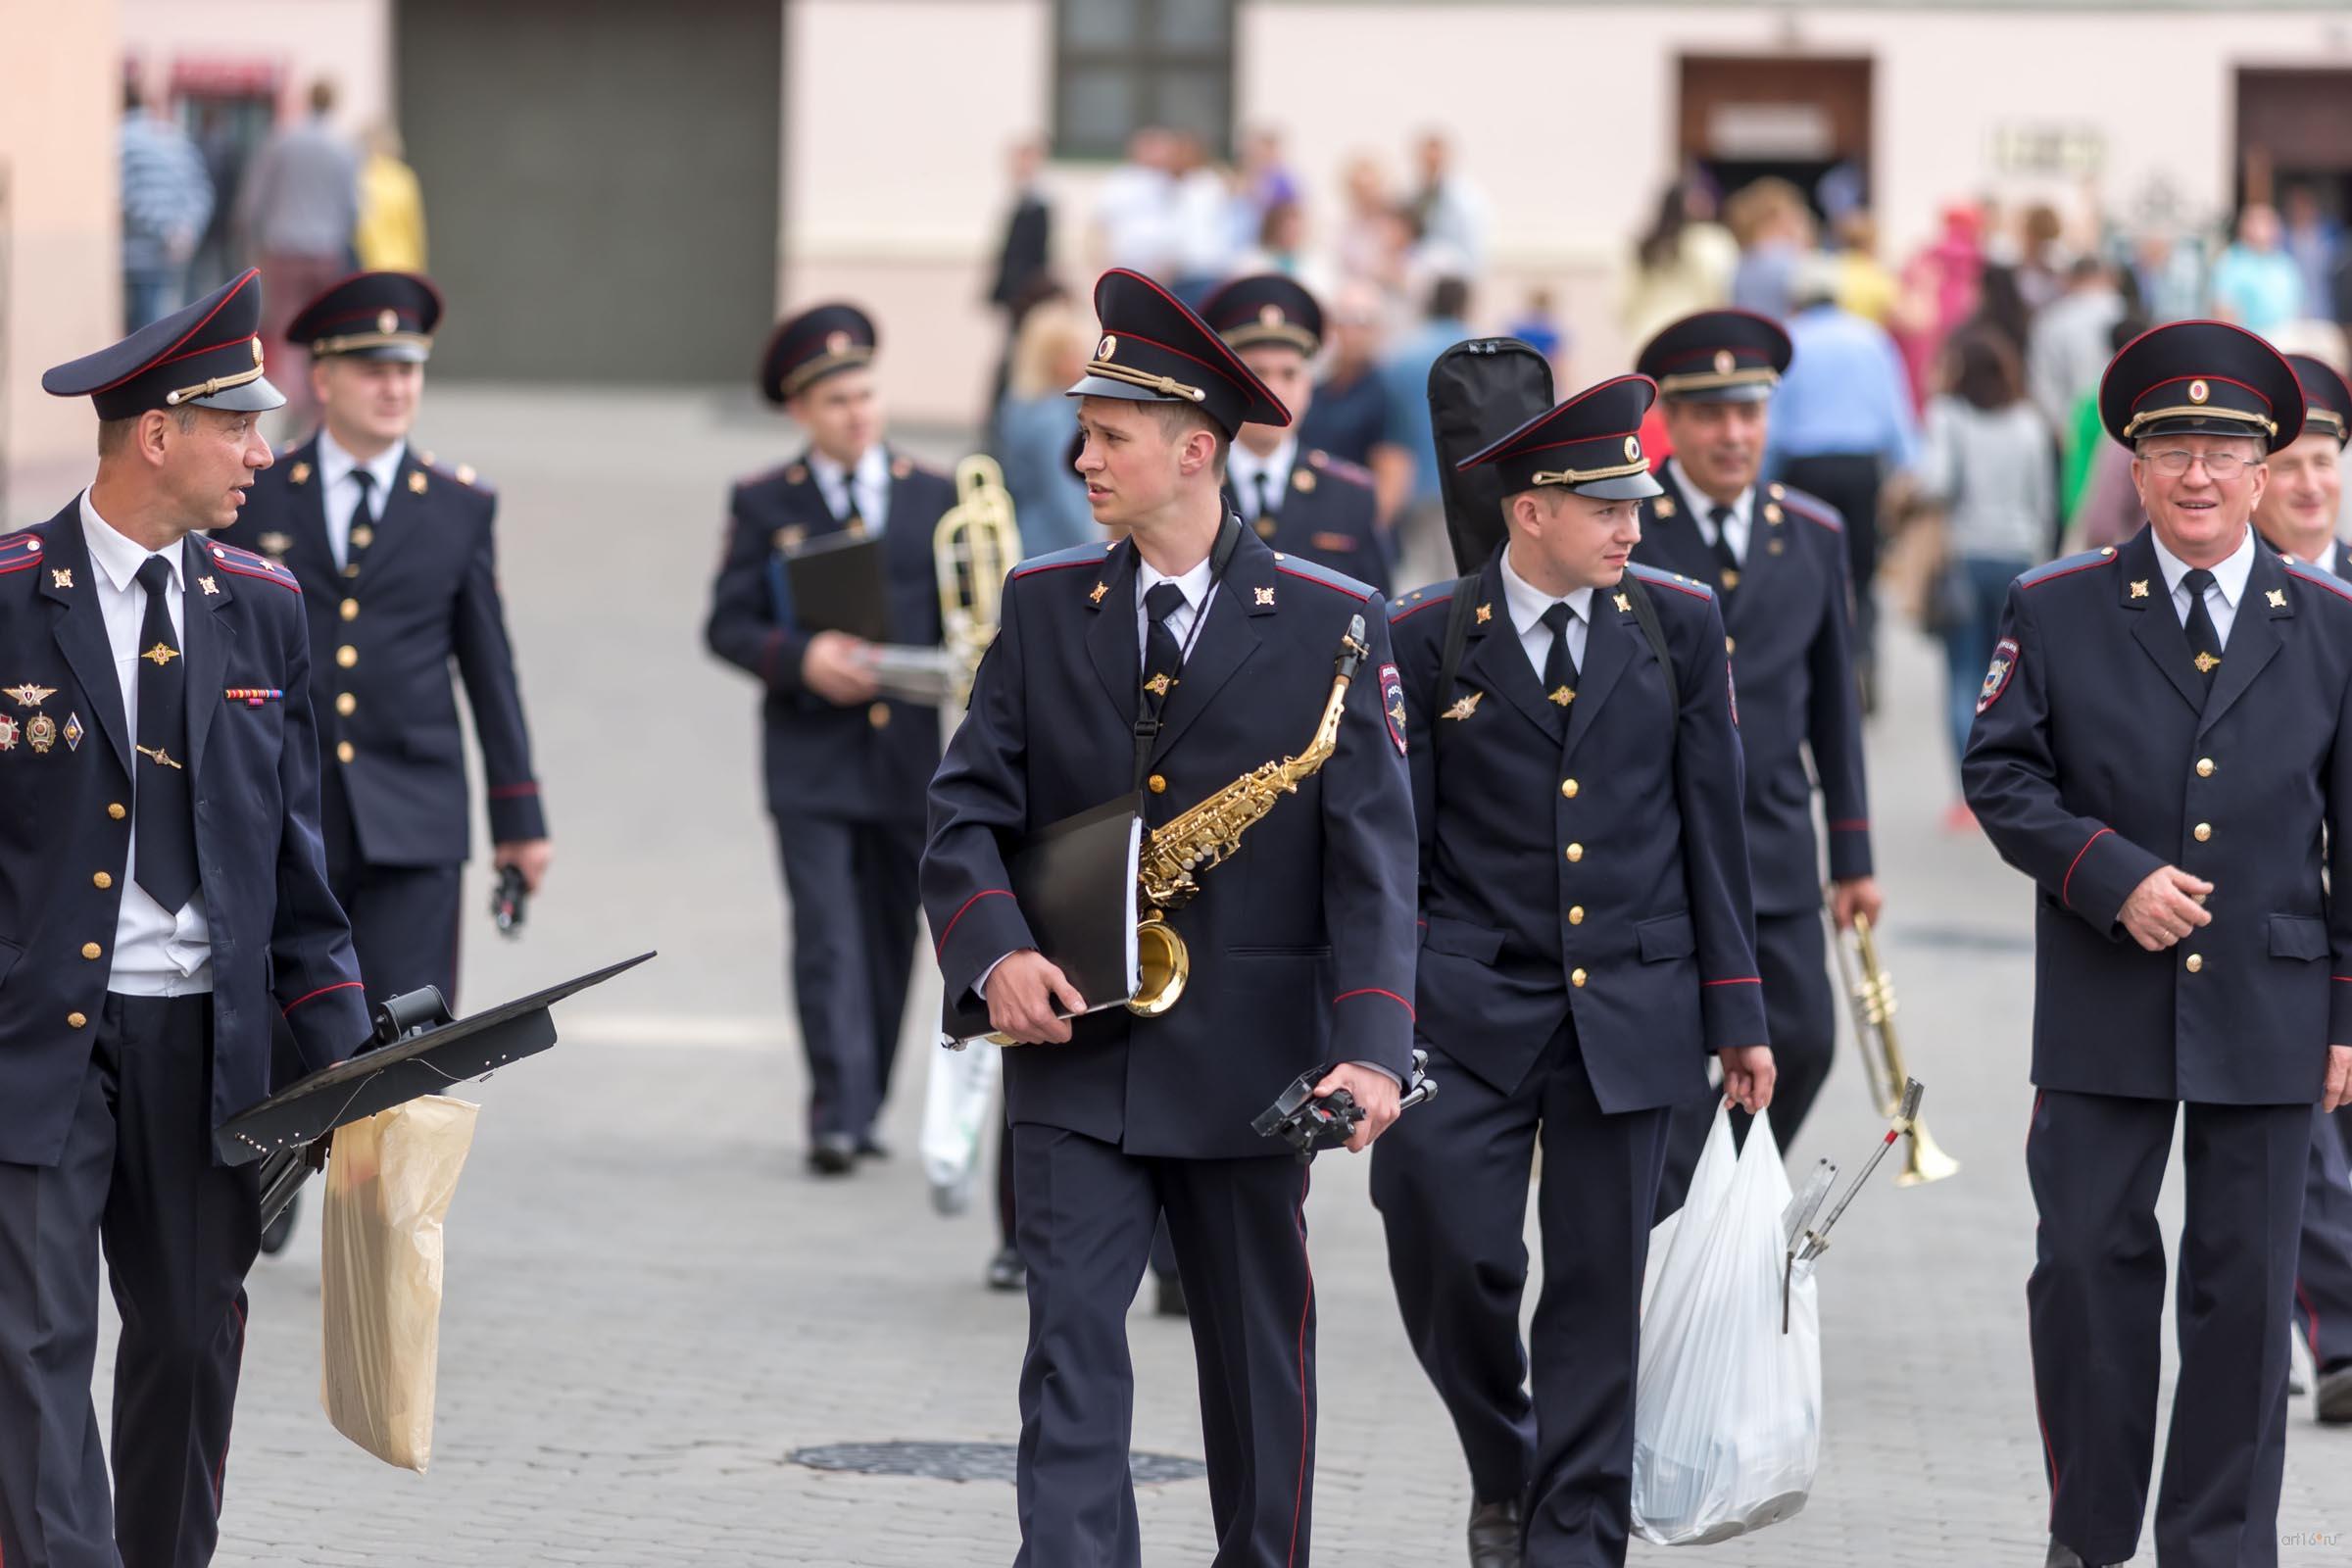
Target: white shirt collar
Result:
[336, 464]
[118, 555]
[1244, 465]
[2229, 576]
[1193, 583]
[1526, 603]
[1701, 505]
[874, 468]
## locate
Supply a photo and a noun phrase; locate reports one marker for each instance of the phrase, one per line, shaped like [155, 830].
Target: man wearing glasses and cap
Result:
[2164, 744]
[1167, 665]
[1585, 948]
[2297, 518]
[163, 902]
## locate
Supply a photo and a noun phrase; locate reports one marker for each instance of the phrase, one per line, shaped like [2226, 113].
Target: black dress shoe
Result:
[1495, 1535]
[280, 1230]
[833, 1155]
[2065, 1556]
[1007, 1272]
[2335, 1394]
[871, 1147]
[1170, 1301]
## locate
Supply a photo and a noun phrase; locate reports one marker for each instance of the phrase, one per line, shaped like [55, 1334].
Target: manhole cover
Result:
[968, 1462]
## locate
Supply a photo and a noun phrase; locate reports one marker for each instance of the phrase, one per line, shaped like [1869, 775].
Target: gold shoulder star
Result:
[2278, 597]
[2139, 589]
[1463, 707]
[1485, 613]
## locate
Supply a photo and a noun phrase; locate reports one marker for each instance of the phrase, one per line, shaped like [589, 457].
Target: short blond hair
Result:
[1047, 333]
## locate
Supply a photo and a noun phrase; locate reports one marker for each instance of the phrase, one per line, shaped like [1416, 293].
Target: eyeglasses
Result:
[2220, 466]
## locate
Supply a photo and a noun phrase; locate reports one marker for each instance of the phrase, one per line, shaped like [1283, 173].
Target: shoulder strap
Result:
[1636, 593]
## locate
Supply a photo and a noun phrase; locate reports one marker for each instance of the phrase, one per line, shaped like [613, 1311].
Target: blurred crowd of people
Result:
[306, 207]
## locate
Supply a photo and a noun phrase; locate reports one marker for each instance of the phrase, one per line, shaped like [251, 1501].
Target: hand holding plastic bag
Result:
[1727, 1419]
[959, 1103]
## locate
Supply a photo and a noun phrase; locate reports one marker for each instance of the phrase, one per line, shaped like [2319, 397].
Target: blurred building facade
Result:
[630, 194]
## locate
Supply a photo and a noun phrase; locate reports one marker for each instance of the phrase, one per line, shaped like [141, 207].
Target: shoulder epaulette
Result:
[1418, 600]
[459, 472]
[245, 563]
[20, 552]
[1671, 579]
[1811, 508]
[902, 466]
[1339, 581]
[2065, 567]
[1340, 468]
[2302, 574]
[794, 472]
[1054, 560]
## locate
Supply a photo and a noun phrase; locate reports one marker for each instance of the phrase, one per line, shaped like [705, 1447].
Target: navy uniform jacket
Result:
[1328, 514]
[2090, 765]
[1788, 627]
[1301, 943]
[864, 764]
[425, 592]
[279, 941]
[1602, 875]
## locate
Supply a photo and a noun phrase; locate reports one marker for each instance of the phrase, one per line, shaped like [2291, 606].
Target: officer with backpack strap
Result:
[1586, 945]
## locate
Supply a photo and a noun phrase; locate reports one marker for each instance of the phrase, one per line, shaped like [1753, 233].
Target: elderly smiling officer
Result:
[163, 901]
[2164, 744]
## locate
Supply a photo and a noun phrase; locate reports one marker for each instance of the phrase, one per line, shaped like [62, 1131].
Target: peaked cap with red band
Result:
[2327, 397]
[1717, 357]
[1265, 308]
[371, 316]
[807, 348]
[208, 354]
[1590, 444]
[2202, 379]
[1155, 350]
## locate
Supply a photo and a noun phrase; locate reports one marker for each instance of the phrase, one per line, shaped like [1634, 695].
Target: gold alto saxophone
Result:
[1871, 993]
[1178, 851]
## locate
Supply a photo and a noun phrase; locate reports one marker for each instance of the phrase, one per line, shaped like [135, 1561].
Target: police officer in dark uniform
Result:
[2164, 744]
[1777, 559]
[1172, 662]
[845, 770]
[1303, 502]
[2297, 518]
[398, 561]
[1586, 945]
[163, 901]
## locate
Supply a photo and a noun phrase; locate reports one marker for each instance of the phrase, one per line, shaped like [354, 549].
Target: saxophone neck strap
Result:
[1147, 708]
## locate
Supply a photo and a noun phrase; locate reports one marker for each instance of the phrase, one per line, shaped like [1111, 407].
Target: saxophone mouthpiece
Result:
[1353, 648]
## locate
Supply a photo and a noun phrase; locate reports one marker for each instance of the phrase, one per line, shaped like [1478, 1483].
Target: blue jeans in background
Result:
[1968, 644]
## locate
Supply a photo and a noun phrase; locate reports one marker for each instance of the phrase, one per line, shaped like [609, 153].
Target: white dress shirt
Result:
[1244, 467]
[1702, 511]
[157, 952]
[2229, 583]
[1525, 603]
[1197, 591]
[341, 490]
[867, 486]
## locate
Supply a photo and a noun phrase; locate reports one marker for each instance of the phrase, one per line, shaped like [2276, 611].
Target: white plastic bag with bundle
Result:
[1727, 1409]
[388, 1188]
[959, 1103]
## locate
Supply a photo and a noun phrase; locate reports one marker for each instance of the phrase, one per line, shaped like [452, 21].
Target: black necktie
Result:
[848, 499]
[1265, 495]
[1727, 565]
[2204, 642]
[1163, 657]
[163, 821]
[1559, 669]
[362, 532]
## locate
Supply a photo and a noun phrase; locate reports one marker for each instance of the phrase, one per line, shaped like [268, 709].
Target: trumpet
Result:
[1870, 991]
[977, 541]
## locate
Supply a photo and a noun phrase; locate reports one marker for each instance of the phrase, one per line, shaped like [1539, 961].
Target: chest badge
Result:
[32, 696]
[74, 732]
[9, 730]
[1464, 707]
[41, 732]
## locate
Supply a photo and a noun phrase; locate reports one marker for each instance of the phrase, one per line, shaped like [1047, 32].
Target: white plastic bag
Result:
[388, 1188]
[1726, 1413]
[959, 1102]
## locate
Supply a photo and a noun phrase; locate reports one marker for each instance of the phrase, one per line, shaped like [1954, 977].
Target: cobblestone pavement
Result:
[651, 1306]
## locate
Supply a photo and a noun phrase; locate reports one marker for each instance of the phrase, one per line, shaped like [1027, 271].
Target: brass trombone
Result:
[976, 543]
[1871, 993]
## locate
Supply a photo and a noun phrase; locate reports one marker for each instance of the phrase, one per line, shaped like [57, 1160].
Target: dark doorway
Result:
[1803, 120]
[2295, 130]
[600, 182]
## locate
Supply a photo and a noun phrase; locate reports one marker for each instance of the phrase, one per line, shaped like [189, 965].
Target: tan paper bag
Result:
[388, 1187]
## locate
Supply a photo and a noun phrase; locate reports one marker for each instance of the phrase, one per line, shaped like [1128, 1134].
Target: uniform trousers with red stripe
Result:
[1550, 1422]
[2095, 1303]
[178, 1231]
[1086, 1212]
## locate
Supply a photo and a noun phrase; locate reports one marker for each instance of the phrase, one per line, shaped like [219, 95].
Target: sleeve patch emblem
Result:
[1996, 678]
[1392, 703]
